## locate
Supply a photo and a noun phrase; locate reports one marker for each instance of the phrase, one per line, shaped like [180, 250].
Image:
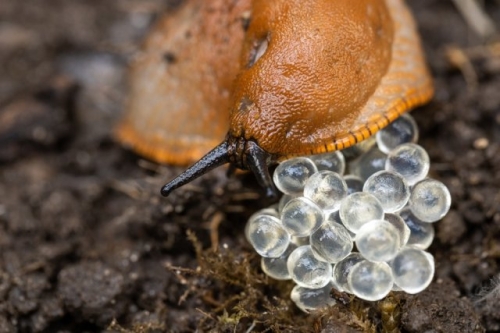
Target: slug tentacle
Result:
[216, 157]
[237, 151]
[257, 161]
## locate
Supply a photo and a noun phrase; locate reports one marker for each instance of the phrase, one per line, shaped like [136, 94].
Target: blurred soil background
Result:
[87, 244]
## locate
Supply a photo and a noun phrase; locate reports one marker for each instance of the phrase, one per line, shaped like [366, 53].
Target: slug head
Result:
[241, 153]
[307, 69]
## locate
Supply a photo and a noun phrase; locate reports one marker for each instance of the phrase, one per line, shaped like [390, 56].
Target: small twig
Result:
[34, 266]
[204, 313]
[476, 18]
[457, 57]
[196, 244]
[225, 305]
[150, 166]
[184, 296]
[483, 51]
[214, 229]
[130, 189]
[207, 298]
[235, 209]
[251, 327]
[244, 196]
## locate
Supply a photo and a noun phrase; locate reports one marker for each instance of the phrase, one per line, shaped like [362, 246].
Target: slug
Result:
[282, 78]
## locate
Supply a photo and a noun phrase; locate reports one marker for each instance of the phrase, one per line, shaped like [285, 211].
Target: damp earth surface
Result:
[87, 244]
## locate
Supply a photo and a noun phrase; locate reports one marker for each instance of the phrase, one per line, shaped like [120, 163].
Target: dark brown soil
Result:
[87, 243]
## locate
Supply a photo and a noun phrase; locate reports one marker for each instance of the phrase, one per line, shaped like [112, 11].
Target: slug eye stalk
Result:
[216, 157]
[240, 153]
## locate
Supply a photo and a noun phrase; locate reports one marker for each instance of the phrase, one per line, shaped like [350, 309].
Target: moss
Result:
[239, 296]
[114, 327]
[390, 313]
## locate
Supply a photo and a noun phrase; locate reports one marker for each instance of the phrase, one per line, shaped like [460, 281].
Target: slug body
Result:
[317, 76]
[181, 79]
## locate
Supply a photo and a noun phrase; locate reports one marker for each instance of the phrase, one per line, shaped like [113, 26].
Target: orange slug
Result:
[304, 77]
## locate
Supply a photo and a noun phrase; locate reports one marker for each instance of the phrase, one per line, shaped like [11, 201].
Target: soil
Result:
[87, 244]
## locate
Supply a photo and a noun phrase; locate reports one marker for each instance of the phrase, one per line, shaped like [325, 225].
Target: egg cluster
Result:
[384, 208]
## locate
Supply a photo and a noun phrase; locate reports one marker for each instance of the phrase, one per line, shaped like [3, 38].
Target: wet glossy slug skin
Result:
[180, 81]
[306, 77]
[323, 60]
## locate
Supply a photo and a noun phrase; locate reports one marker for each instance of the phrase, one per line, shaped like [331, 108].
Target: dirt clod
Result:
[92, 290]
[440, 309]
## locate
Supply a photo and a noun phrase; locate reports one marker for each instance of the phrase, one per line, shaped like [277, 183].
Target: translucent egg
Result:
[276, 267]
[395, 287]
[430, 200]
[326, 189]
[334, 217]
[306, 270]
[354, 184]
[389, 188]
[359, 149]
[291, 175]
[265, 211]
[335, 286]
[409, 160]
[402, 130]
[267, 236]
[275, 207]
[342, 268]
[283, 201]
[421, 233]
[370, 281]
[358, 209]
[403, 230]
[413, 270]
[312, 299]
[331, 242]
[378, 240]
[333, 161]
[301, 217]
[369, 163]
[299, 241]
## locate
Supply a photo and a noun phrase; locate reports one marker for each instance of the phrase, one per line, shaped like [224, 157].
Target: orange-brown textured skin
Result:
[333, 74]
[179, 109]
